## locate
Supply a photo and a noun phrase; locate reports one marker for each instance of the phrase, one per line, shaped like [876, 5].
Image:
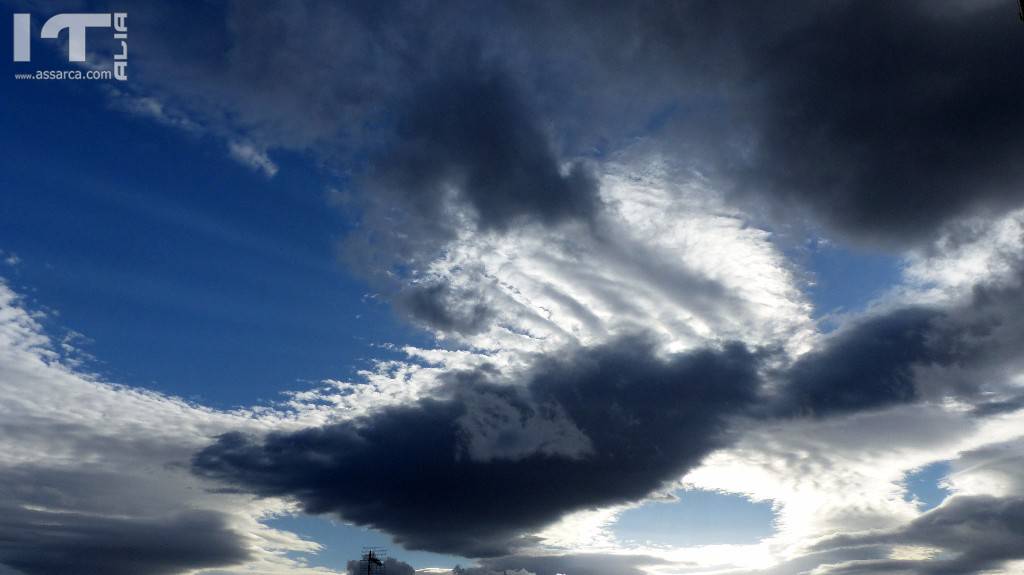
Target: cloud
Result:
[441, 307]
[437, 126]
[888, 134]
[152, 108]
[867, 365]
[10, 258]
[845, 476]
[665, 256]
[892, 391]
[95, 478]
[884, 137]
[425, 474]
[998, 407]
[980, 532]
[975, 530]
[963, 349]
[41, 541]
[248, 155]
[469, 135]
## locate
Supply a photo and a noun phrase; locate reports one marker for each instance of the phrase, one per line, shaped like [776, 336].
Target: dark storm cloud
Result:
[890, 118]
[42, 542]
[80, 521]
[466, 149]
[470, 131]
[408, 470]
[882, 119]
[979, 532]
[867, 366]
[968, 351]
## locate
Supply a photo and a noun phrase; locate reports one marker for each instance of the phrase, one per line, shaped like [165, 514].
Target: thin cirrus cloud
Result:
[249, 155]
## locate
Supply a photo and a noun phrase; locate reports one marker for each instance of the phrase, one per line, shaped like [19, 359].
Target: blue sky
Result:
[698, 518]
[187, 272]
[548, 284]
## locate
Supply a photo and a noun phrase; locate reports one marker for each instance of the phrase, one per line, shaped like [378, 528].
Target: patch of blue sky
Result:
[697, 518]
[343, 542]
[846, 279]
[188, 272]
[926, 485]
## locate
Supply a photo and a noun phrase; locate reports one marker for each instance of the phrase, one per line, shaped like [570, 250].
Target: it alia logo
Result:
[76, 25]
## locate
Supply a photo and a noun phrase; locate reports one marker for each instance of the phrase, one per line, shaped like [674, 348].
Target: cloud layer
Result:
[883, 137]
[593, 208]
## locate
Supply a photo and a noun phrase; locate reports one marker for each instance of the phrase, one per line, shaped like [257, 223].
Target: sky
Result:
[579, 288]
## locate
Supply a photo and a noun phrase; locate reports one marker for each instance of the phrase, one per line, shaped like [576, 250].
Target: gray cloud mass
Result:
[979, 532]
[67, 522]
[406, 470]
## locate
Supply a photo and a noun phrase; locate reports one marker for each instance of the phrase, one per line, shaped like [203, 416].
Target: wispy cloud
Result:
[249, 155]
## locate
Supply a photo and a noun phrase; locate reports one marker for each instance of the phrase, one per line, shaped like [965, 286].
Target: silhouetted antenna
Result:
[372, 561]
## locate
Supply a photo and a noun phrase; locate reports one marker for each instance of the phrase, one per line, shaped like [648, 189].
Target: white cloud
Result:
[249, 155]
[152, 108]
[665, 257]
[969, 252]
[110, 451]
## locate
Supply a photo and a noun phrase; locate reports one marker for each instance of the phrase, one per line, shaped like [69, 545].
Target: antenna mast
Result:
[372, 561]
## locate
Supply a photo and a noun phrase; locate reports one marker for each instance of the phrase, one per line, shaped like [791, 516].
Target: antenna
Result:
[371, 562]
